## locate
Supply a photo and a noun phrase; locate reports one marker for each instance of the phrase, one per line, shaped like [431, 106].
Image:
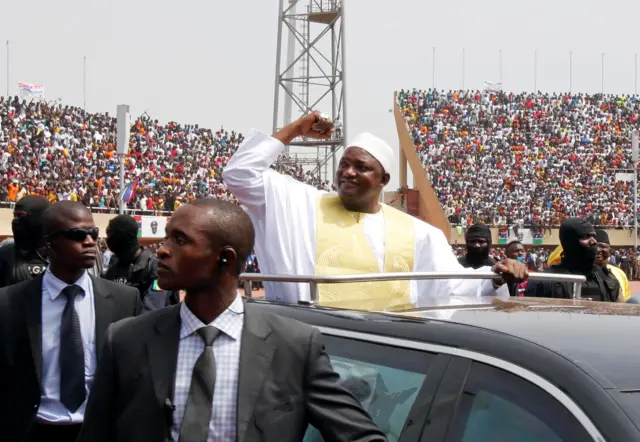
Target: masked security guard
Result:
[131, 263]
[21, 260]
[580, 248]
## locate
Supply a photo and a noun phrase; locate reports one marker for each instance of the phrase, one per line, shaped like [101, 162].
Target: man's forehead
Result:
[73, 218]
[359, 153]
[80, 218]
[188, 217]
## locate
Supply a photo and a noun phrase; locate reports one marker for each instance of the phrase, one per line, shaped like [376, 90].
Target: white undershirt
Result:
[374, 232]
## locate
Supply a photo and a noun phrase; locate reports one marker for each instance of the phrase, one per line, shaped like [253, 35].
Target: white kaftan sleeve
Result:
[248, 175]
[434, 254]
[282, 210]
[243, 174]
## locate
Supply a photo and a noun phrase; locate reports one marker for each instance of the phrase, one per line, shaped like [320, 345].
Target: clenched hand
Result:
[510, 270]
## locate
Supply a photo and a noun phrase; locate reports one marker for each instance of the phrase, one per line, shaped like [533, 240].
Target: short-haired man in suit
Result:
[51, 329]
[213, 368]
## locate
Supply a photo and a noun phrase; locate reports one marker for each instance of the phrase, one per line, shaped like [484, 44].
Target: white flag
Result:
[492, 87]
[31, 91]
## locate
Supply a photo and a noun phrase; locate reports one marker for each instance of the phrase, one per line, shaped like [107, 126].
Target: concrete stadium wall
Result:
[6, 216]
[429, 208]
[618, 238]
[101, 220]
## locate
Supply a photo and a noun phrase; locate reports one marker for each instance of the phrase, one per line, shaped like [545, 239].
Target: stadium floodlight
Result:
[634, 157]
[123, 129]
[311, 36]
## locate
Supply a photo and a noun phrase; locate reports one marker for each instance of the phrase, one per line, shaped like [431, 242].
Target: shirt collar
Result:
[229, 322]
[55, 286]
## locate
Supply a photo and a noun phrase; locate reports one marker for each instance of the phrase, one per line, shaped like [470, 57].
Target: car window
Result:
[630, 401]
[632, 398]
[386, 380]
[500, 406]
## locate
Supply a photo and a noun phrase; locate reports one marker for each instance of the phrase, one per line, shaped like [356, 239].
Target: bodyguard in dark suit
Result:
[51, 328]
[213, 368]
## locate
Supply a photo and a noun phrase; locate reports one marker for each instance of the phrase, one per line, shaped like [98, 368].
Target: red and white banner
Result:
[32, 91]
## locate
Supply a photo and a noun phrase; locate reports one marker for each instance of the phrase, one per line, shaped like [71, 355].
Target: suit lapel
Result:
[103, 303]
[255, 360]
[33, 312]
[163, 353]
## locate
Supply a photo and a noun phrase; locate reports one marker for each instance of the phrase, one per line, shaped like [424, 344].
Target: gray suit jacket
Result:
[285, 383]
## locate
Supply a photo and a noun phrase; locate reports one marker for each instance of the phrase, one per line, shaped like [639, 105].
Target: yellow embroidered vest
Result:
[342, 249]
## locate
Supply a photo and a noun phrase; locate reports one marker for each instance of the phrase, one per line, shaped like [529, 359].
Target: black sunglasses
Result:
[78, 235]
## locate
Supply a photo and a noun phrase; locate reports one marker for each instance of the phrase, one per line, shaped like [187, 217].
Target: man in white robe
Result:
[301, 230]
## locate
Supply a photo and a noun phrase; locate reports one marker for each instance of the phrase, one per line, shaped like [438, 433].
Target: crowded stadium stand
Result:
[538, 158]
[525, 159]
[65, 153]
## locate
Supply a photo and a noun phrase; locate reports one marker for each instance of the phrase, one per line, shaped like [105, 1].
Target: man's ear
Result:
[229, 259]
[385, 179]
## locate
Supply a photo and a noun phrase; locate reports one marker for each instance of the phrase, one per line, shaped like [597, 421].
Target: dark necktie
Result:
[72, 392]
[197, 413]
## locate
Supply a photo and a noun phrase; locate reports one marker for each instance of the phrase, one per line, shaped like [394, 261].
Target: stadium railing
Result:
[132, 212]
[108, 210]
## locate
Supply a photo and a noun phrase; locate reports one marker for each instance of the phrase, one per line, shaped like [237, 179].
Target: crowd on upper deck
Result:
[66, 153]
[531, 159]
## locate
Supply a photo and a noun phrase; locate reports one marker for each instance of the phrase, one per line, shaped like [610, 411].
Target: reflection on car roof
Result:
[597, 336]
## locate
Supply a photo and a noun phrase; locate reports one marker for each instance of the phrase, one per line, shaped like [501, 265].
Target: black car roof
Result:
[601, 338]
[596, 336]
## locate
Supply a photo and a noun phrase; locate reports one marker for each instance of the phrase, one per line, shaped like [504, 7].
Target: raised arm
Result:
[243, 175]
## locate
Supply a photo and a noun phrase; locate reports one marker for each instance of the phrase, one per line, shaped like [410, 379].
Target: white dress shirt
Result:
[226, 349]
[106, 257]
[53, 303]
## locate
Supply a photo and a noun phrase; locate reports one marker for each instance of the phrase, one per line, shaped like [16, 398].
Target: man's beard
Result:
[477, 255]
[582, 259]
[25, 239]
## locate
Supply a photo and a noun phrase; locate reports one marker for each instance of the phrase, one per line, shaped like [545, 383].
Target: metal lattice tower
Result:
[311, 78]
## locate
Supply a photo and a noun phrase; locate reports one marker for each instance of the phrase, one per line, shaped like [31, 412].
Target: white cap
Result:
[378, 148]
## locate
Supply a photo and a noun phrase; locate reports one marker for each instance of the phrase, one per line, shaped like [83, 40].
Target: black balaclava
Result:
[478, 256]
[603, 237]
[27, 230]
[122, 237]
[576, 257]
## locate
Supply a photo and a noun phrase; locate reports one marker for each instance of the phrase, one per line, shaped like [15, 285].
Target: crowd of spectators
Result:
[628, 260]
[65, 153]
[537, 258]
[531, 159]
